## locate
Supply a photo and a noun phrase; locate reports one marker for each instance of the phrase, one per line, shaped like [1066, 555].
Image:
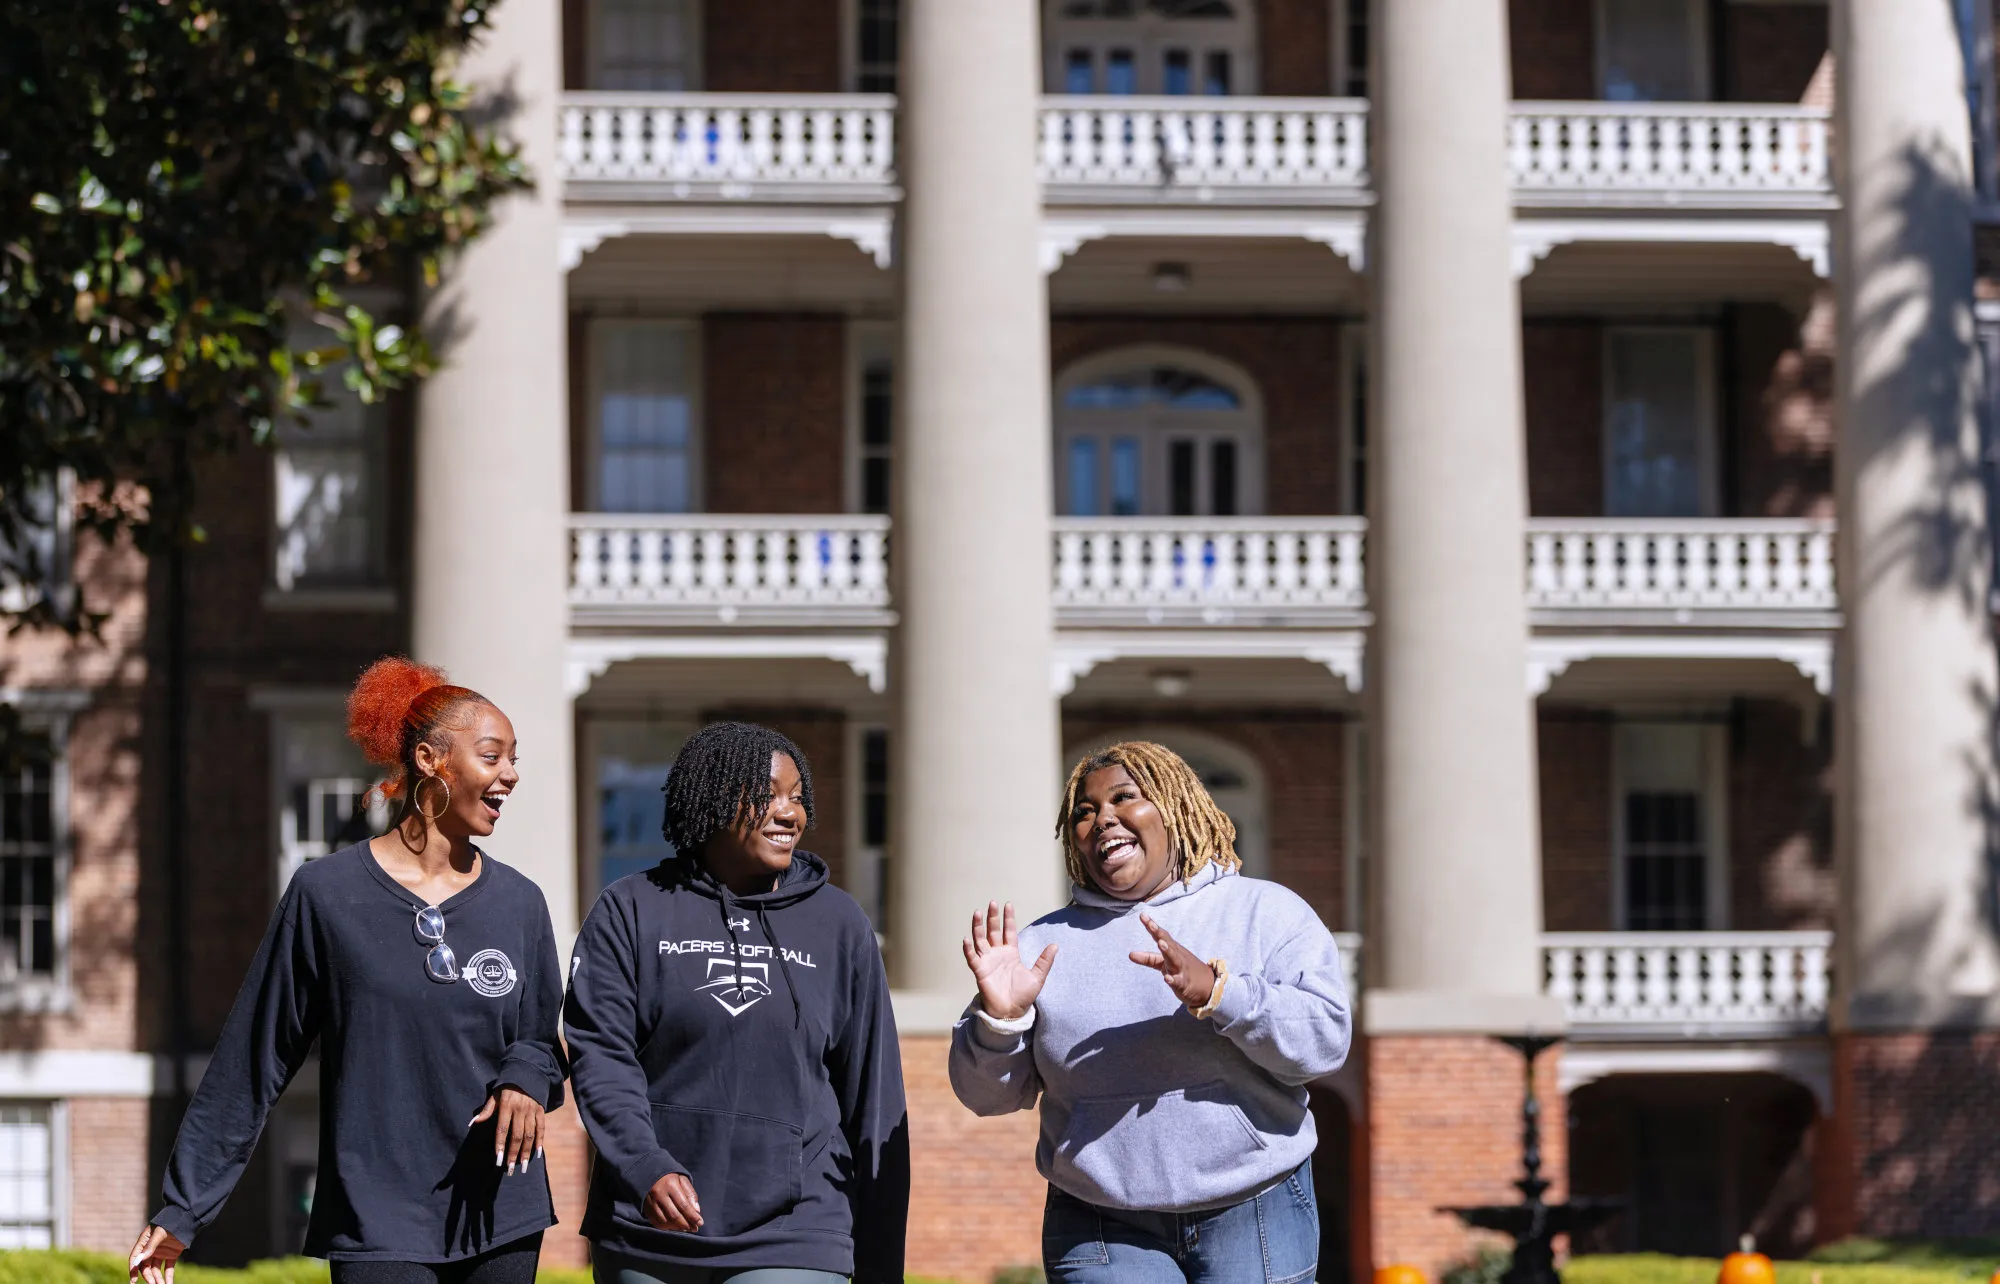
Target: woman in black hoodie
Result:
[733, 1053]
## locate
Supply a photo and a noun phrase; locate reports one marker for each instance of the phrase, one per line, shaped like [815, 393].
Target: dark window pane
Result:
[875, 485]
[877, 404]
[1222, 478]
[1078, 75]
[1119, 74]
[1215, 83]
[1180, 479]
[1176, 77]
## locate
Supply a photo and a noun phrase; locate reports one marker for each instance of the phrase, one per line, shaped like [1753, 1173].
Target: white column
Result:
[1455, 941]
[490, 563]
[974, 739]
[1915, 701]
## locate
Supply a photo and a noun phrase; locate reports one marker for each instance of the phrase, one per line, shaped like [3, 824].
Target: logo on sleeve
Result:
[490, 973]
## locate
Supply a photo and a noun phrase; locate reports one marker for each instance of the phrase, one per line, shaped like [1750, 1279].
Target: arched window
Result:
[1157, 434]
[1173, 47]
[1233, 778]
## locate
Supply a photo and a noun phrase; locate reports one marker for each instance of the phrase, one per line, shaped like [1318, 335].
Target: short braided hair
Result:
[1202, 832]
[722, 773]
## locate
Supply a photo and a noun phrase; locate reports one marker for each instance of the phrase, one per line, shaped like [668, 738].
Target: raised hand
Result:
[1191, 980]
[1007, 987]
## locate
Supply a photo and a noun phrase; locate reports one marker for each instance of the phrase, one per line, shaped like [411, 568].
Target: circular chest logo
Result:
[490, 973]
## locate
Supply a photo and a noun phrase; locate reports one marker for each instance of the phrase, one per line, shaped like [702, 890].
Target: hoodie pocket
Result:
[1129, 1150]
[745, 1168]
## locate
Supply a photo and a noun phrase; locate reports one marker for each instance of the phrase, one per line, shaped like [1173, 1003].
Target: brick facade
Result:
[1444, 1129]
[1780, 819]
[1000, 1225]
[1771, 53]
[1562, 382]
[1554, 49]
[110, 1192]
[1911, 1149]
[776, 46]
[1576, 785]
[1295, 48]
[774, 435]
[1783, 412]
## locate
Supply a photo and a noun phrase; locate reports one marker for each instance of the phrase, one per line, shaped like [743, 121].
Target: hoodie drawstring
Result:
[784, 964]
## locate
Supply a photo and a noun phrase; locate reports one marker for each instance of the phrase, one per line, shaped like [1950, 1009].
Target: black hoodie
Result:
[746, 1042]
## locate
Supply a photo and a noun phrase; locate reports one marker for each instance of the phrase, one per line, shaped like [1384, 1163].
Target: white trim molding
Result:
[1807, 1064]
[1810, 654]
[1075, 654]
[870, 230]
[1811, 239]
[867, 654]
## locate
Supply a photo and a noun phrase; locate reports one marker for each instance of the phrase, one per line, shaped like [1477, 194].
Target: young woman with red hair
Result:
[427, 972]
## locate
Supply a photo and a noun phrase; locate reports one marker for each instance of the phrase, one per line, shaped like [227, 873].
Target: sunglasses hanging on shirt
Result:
[440, 964]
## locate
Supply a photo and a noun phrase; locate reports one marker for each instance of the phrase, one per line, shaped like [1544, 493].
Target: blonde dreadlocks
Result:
[1202, 834]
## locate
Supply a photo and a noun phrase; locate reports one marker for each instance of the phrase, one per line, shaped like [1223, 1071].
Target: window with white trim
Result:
[1659, 422]
[873, 415]
[27, 1175]
[324, 798]
[875, 46]
[330, 489]
[1172, 47]
[643, 416]
[1668, 827]
[643, 45]
[1157, 439]
[867, 878]
[37, 565]
[631, 759]
[1652, 51]
[31, 873]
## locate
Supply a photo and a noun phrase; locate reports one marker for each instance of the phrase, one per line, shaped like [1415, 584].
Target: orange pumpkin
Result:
[1400, 1273]
[1747, 1268]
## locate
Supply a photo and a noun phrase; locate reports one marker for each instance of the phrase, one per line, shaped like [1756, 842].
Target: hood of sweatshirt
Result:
[1207, 876]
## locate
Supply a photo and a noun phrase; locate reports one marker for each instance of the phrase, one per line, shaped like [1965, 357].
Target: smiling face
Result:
[750, 855]
[1121, 836]
[479, 765]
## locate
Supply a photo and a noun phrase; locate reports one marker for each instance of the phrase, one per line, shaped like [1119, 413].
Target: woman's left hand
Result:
[517, 1128]
[1191, 980]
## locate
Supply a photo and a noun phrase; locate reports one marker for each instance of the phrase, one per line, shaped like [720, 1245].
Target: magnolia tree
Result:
[182, 183]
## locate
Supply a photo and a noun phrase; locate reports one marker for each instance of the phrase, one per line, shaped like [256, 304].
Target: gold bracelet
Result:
[1207, 1010]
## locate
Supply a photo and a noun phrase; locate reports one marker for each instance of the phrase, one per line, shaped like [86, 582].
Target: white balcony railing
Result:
[1691, 981]
[730, 569]
[1681, 565]
[1245, 572]
[1148, 143]
[1212, 570]
[731, 144]
[1686, 150]
[1303, 150]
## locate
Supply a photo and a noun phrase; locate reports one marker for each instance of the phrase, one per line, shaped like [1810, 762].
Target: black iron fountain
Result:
[1534, 1223]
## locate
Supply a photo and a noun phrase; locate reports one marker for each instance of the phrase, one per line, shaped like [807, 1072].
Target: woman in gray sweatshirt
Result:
[1173, 1014]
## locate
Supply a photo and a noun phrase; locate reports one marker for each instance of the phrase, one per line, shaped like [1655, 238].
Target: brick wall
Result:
[956, 1231]
[1295, 363]
[1554, 49]
[1563, 391]
[566, 1155]
[110, 1196]
[1444, 1129]
[774, 437]
[1780, 820]
[1302, 755]
[1784, 409]
[821, 735]
[1914, 1115]
[1576, 820]
[1294, 45]
[775, 46]
[1771, 52]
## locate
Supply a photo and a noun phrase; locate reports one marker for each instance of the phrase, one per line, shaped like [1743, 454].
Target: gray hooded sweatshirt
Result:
[1144, 1105]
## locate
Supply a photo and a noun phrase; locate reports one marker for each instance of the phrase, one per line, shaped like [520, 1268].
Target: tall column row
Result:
[1918, 800]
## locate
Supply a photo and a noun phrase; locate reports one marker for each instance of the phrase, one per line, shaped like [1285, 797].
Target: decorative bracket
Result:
[1349, 240]
[1061, 239]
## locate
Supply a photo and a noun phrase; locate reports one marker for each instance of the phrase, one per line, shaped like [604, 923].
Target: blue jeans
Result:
[1272, 1238]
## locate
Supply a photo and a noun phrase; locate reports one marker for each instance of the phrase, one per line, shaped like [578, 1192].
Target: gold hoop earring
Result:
[416, 797]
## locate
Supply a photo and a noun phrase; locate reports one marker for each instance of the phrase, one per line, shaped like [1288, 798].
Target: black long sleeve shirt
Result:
[405, 1063]
[748, 1044]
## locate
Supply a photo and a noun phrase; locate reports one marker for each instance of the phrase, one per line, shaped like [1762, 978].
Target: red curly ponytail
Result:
[397, 705]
